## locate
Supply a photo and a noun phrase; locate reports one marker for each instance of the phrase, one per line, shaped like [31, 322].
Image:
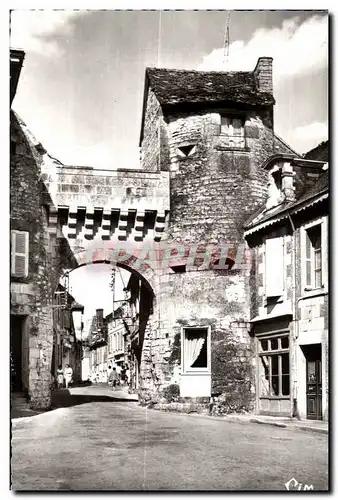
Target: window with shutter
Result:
[19, 253]
[274, 267]
[313, 257]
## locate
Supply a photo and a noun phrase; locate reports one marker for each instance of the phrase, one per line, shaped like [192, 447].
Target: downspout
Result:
[295, 412]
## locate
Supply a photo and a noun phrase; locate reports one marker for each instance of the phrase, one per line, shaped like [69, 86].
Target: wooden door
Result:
[314, 383]
[16, 353]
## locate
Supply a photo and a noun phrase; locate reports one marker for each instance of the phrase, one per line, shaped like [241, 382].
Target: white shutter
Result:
[274, 267]
[19, 253]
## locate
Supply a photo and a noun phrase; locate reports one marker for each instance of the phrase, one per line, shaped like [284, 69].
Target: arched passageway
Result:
[136, 316]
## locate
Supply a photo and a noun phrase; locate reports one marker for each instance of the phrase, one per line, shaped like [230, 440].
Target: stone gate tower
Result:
[211, 131]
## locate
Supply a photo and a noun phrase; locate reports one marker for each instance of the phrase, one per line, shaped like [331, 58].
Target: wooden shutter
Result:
[308, 262]
[274, 267]
[19, 253]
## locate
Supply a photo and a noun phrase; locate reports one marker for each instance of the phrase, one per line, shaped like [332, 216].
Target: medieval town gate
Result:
[201, 179]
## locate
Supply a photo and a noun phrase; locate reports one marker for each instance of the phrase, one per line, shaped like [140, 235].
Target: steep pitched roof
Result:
[280, 146]
[174, 86]
[310, 196]
[17, 57]
[182, 87]
[320, 152]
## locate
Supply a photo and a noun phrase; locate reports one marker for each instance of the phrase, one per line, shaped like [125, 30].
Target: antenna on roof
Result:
[226, 40]
[159, 39]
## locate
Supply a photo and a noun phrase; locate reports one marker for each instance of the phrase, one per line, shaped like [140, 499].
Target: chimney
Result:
[288, 188]
[263, 74]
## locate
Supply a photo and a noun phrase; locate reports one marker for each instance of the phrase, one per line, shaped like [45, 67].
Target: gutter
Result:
[295, 412]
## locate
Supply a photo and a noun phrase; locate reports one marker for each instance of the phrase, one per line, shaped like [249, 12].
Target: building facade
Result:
[98, 343]
[67, 344]
[212, 132]
[117, 341]
[289, 294]
[39, 253]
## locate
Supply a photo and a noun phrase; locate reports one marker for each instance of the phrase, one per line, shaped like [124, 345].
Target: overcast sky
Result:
[81, 87]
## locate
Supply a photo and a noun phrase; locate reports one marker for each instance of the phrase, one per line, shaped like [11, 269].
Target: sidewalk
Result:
[291, 423]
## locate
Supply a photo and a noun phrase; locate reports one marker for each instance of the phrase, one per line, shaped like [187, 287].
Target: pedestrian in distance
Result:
[59, 377]
[127, 375]
[113, 378]
[68, 374]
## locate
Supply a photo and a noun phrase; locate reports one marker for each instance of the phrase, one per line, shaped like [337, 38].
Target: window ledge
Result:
[197, 372]
[274, 397]
[274, 299]
[314, 292]
[219, 147]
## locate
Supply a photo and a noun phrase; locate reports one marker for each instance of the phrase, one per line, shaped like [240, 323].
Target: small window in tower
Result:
[232, 131]
[186, 150]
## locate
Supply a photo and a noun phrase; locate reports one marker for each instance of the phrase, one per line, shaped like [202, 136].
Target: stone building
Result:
[118, 339]
[39, 253]
[98, 340]
[212, 131]
[207, 164]
[140, 308]
[289, 306]
[67, 343]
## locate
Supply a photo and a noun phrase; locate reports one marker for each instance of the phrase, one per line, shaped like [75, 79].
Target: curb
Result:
[248, 420]
[290, 425]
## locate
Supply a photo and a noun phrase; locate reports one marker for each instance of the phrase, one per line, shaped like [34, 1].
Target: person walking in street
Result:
[127, 375]
[68, 374]
[59, 377]
[113, 378]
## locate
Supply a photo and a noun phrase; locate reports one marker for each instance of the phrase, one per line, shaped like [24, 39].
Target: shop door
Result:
[314, 382]
[16, 353]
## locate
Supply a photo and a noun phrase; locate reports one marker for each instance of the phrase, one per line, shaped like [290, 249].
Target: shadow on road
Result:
[64, 399]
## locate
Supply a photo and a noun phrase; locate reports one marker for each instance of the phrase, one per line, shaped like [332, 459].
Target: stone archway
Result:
[150, 279]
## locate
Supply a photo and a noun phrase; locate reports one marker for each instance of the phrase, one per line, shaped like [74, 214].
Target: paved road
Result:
[101, 443]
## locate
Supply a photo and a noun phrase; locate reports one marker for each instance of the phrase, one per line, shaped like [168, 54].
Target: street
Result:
[98, 442]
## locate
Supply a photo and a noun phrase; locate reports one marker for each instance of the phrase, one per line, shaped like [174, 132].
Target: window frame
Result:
[14, 233]
[267, 294]
[270, 353]
[230, 117]
[306, 288]
[198, 370]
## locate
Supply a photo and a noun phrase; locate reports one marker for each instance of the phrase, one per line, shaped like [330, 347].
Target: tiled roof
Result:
[320, 152]
[282, 147]
[319, 187]
[173, 86]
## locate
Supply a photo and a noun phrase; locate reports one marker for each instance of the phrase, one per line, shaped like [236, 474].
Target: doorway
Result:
[16, 327]
[313, 356]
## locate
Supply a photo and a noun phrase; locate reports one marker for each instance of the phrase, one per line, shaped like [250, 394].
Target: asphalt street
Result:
[96, 441]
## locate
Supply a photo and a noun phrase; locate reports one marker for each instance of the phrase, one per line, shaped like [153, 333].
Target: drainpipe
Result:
[295, 412]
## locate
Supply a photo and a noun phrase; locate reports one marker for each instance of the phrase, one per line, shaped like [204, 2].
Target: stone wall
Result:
[151, 151]
[32, 296]
[213, 190]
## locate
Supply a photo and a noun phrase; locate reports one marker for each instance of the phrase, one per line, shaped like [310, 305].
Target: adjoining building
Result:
[97, 341]
[289, 306]
[67, 344]
[117, 348]
[39, 254]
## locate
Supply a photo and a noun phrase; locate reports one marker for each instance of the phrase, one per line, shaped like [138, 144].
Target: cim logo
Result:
[294, 485]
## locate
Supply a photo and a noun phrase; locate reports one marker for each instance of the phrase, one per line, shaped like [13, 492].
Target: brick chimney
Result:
[263, 73]
[288, 188]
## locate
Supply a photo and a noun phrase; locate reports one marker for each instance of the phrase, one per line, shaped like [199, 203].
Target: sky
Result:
[81, 87]
[90, 286]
